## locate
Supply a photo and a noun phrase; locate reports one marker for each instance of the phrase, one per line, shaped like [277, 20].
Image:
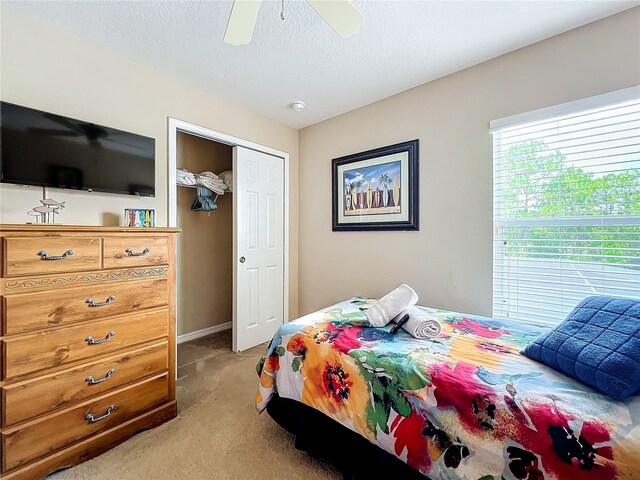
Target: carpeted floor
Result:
[217, 434]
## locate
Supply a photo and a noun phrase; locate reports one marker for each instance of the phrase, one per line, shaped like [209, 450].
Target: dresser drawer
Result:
[31, 311]
[30, 398]
[54, 432]
[53, 348]
[42, 255]
[138, 251]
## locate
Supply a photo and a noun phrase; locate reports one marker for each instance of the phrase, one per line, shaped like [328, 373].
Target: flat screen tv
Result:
[49, 150]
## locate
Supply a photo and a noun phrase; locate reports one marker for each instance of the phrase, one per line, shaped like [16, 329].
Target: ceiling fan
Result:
[343, 17]
[94, 134]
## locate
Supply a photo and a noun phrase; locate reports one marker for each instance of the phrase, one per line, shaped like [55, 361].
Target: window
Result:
[566, 206]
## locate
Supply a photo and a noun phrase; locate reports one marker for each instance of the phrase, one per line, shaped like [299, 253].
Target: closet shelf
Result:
[209, 180]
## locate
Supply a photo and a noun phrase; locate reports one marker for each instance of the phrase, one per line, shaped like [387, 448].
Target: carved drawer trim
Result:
[68, 279]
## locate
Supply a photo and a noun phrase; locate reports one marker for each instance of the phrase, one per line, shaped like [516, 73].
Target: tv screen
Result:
[44, 149]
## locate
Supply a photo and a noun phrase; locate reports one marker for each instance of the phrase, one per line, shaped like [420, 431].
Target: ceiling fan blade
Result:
[242, 21]
[53, 131]
[65, 122]
[343, 17]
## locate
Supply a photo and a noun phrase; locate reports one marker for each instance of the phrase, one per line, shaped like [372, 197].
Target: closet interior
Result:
[205, 246]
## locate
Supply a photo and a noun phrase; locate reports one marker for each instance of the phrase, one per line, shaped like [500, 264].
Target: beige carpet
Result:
[217, 434]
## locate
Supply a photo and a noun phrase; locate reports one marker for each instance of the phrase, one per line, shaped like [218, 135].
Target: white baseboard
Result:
[204, 332]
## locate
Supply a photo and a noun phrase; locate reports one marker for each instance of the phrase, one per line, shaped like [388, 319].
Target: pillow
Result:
[598, 343]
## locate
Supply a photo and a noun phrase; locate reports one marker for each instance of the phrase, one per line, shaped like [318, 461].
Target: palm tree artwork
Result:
[347, 195]
[377, 198]
[384, 180]
[361, 195]
[355, 185]
[372, 189]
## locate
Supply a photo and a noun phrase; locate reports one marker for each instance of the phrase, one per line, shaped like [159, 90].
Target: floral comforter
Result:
[466, 405]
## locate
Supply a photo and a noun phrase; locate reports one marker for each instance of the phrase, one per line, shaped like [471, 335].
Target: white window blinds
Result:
[566, 207]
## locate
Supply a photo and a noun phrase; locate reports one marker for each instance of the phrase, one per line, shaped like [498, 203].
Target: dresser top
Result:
[83, 228]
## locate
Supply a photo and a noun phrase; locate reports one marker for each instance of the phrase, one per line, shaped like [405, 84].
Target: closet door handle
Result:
[91, 341]
[92, 381]
[131, 253]
[42, 254]
[91, 419]
[242, 259]
[91, 303]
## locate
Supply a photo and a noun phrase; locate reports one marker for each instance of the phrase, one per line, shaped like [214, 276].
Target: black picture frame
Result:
[412, 198]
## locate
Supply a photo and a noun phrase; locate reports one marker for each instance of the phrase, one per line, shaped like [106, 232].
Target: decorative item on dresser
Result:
[87, 341]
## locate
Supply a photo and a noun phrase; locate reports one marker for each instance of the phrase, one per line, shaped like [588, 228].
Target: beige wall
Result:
[205, 268]
[51, 70]
[449, 261]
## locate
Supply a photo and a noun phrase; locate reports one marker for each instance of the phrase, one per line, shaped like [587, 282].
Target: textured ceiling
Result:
[402, 44]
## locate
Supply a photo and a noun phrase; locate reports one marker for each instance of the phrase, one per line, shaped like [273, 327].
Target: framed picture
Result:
[377, 189]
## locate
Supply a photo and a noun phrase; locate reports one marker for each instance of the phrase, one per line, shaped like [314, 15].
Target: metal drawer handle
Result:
[91, 381]
[45, 256]
[91, 341]
[139, 254]
[91, 419]
[91, 303]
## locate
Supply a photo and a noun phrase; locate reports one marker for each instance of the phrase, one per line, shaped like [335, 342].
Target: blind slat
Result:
[625, 130]
[552, 131]
[510, 174]
[601, 164]
[589, 159]
[598, 148]
[554, 145]
[547, 291]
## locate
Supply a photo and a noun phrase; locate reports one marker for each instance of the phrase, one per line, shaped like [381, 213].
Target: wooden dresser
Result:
[87, 341]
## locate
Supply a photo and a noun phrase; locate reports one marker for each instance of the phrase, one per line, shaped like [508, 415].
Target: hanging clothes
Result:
[204, 201]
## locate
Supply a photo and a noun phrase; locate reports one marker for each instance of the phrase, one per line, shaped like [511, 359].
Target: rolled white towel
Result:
[209, 174]
[227, 178]
[211, 181]
[185, 178]
[389, 306]
[420, 323]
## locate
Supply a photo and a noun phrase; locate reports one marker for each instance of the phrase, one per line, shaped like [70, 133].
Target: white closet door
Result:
[258, 196]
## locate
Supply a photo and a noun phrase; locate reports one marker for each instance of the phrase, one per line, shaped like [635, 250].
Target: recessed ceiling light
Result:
[297, 105]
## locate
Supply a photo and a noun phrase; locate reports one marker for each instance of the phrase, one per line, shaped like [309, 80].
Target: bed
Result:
[465, 405]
